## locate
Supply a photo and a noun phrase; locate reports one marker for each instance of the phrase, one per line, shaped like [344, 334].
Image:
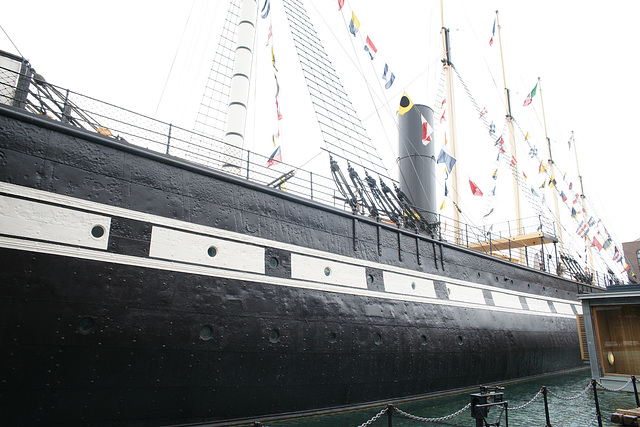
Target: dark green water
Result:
[576, 412]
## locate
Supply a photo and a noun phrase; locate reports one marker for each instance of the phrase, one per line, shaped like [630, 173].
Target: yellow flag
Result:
[526, 137]
[405, 104]
[442, 205]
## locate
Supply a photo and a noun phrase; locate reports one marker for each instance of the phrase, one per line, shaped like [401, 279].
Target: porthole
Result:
[460, 340]
[273, 262]
[86, 325]
[274, 336]
[206, 333]
[413, 285]
[327, 271]
[377, 339]
[369, 279]
[333, 337]
[97, 231]
[212, 251]
[423, 339]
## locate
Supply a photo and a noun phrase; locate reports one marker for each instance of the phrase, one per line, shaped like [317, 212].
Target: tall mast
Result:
[446, 61]
[239, 92]
[512, 137]
[584, 213]
[553, 170]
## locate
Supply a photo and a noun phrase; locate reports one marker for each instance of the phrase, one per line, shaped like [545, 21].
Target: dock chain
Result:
[570, 398]
[375, 417]
[617, 389]
[432, 420]
[517, 408]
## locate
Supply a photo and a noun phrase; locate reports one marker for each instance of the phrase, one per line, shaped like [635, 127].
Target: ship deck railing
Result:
[21, 87]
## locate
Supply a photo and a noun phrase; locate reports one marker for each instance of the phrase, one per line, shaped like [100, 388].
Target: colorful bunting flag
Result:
[269, 36]
[426, 132]
[442, 116]
[354, 25]
[405, 104]
[514, 162]
[531, 95]
[591, 222]
[390, 82]
[534, 192]
[542, 168]
[552, 182]
[340, 4]
[493, 33]
[607, 244]
[616, 253]
[448, 160]
[563, 196]
[266, 8]
[370, 48]
[475, 190]
[596, 244]
[275, 158]
[495, 174]
[273, 59]
[574, 213]
[442, 205]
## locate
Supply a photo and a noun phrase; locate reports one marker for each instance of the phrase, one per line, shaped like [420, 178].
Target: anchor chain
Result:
[432, 420]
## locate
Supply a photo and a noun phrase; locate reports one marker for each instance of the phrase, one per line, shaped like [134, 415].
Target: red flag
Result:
[596, 244]
[474, 189]
[513, 161]
[442, 117]
[340, 4]
[426, 132]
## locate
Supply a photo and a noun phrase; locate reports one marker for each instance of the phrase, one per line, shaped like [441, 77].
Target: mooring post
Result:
[546, 406]
[390, 415]
[506, 414]
[635, 390]
[595, 398]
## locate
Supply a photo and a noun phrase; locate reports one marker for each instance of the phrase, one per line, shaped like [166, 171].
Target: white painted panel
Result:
[562, 308]
[408, 285]
[35, 220]
[465, 294]
[578, 308]
[501, 299]
[538, 305]
[311, 268]
[194, 248]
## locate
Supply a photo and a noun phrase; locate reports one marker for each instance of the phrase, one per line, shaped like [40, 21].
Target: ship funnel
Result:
[239, 92]
[416, 161]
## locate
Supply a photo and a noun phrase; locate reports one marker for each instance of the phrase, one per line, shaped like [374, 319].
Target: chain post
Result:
[546, 406]
[595, 398]
[635, 390]
[390, 415]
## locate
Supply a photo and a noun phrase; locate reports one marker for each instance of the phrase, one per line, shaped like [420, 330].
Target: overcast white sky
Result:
[585, 52]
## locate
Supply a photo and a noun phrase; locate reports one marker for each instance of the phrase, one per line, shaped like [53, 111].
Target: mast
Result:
[239, 92]
[584, 213]
[512, 136]
[553, 171]
[446, 61]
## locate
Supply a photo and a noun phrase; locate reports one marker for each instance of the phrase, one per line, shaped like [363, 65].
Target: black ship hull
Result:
[142, 289]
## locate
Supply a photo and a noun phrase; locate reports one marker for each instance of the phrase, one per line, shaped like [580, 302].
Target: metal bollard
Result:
[390, 415]
[595, 397]
[635, 390]
[546, 406]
